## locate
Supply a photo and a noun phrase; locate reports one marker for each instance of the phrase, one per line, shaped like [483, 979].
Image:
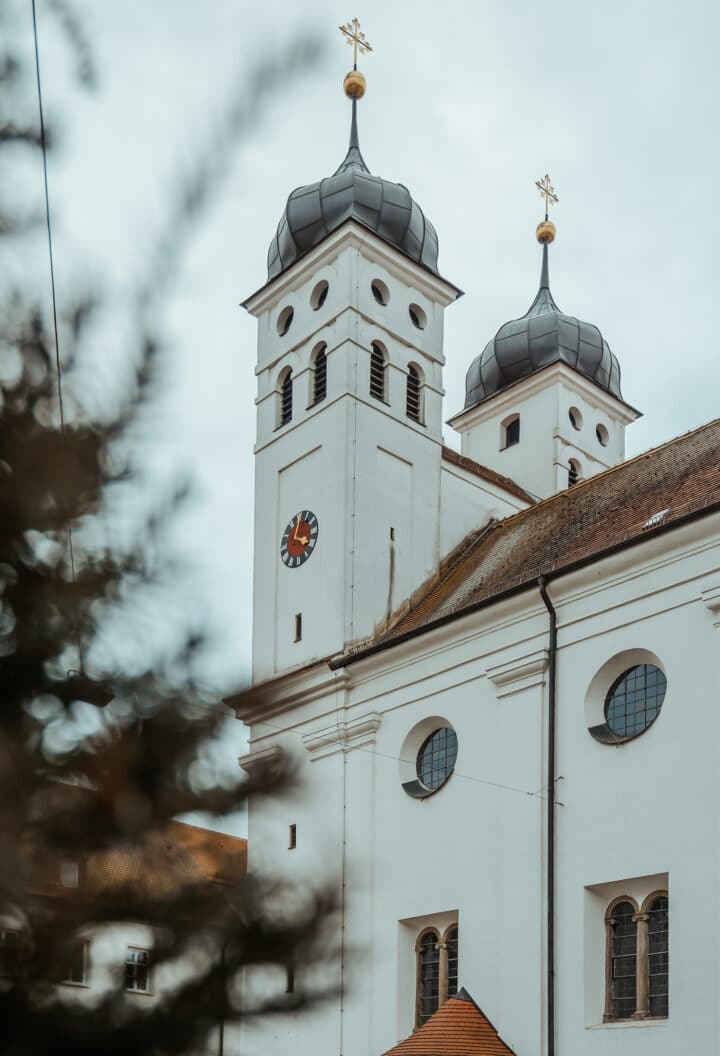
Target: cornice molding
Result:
[343, 736]
[711, 600]
[250, 762]
[520, 673]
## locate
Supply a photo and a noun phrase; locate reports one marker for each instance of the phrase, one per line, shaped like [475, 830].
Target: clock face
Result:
[299, 539]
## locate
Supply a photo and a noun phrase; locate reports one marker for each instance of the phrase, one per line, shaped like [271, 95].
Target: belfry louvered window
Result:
[286, 397]
[377, 372]
[414, 385]
[320, 375]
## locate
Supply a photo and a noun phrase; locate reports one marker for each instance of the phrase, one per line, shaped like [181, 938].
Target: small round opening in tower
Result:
[380, 291]
[284, 320]
[602, 434]
[417, 316]
[576, 418]
[319, 295]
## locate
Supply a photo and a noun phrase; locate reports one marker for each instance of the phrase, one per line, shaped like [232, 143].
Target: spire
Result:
[353, 158]
[354, 86]
[545, 234]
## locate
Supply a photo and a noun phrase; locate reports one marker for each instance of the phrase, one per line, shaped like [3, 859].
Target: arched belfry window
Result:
[413, 403]
[510, 431]
[574, 472]
[286, 396]
[428, 988]
[378, 371]
[319, 374]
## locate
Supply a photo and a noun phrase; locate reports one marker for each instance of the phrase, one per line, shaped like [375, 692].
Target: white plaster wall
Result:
[648, 808]
[467, 503]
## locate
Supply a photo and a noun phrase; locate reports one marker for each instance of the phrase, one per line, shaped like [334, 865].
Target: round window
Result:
[380, 291]
[417, 316]
[284, 320]
[634, 700]
[436, 758]
[576, 418]
[602, 434]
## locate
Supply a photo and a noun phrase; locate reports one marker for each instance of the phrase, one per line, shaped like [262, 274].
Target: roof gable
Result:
[458, 1028]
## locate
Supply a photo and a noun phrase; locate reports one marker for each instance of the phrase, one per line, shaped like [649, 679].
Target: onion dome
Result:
[352, 193]
[542, 336]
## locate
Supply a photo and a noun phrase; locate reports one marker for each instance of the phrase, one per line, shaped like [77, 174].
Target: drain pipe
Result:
[552, 680]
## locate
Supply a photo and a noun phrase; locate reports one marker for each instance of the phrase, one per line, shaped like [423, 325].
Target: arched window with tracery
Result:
[378, 371]
[286, 397]
[451, 945]
[413, 400]
[319, 374]
[658, 930]
[428, 976]
[623, 957]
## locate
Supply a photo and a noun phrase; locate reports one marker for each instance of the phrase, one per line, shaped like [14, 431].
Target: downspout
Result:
[552, 707]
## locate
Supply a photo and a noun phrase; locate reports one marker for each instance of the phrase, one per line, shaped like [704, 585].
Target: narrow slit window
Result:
[290, 979]
[377, 372]
[414, 383]
[298, 626]
[428, 977]
[452, 961]
[574, 472]
[510, 432]
[292, 837]
[286, 397]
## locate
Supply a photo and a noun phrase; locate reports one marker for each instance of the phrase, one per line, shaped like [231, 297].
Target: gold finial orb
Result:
[545, 232]
[354, 85]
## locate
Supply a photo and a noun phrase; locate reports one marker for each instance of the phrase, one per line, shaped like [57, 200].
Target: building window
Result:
[436, 758]
[576, 418]
[510, 431]
[319, 375]
[624, 960]
[417, 316]
[380, 291]
[78, 967]
[9, 942]
[574, 472]
[637, 959]
[658, 921]
[71, 871]
[137, 969]
[284, 320]
[428, 985]
[377, 371]
[286, 396]
[451, 941]
[437, 971]
[319, 295]
[634, 700]
[602, 435]
[414, 387]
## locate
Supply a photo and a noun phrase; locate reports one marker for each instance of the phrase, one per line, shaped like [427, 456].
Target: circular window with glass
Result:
[428, 757]
[631, 703]
[634, 700]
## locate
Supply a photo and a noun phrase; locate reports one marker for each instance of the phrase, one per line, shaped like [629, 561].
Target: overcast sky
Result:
[467, 104]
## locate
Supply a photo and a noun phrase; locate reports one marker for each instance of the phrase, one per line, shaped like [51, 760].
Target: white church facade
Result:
[497, 671]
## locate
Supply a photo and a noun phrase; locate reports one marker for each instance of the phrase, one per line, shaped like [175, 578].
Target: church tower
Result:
[349, 418]
[543, 403]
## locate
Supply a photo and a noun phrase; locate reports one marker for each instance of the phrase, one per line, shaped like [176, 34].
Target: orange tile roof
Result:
[623, 505]
[458, 1028]
[490, 475]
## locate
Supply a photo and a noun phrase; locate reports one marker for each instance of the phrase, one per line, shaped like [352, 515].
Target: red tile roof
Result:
[490, 475]
[625, 504]
[458, 1028]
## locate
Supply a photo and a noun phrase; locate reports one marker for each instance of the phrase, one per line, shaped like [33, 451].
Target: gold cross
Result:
[351, 31]
[547, 191]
